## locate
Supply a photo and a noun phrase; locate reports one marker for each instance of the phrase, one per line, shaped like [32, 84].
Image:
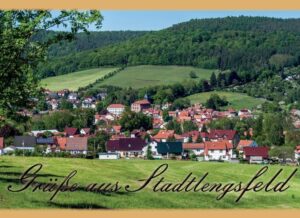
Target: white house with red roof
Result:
[164, 135]
[218, 150]
[196, 148]
[223, 134]
[256, 154]
[116, 109]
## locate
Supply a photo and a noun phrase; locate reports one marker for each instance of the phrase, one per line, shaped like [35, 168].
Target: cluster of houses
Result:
[72, 140]
[53, 99]
[206, 145]
[196, 113]
[216, 145]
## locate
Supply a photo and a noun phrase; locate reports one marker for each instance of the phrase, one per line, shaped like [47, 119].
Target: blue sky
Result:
[160, 19]
[156, 20]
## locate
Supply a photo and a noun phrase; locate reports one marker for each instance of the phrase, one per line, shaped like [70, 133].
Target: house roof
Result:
[219, 145]
[77, 144]
[204, 134]
[225, 134]
[1, 142]
[256, 151]
[71, 131]
[193, 145]
[26, 141]
[191, 133]
[142, 102]
[125, 144]
[245, 143]
[116, 106]
[164, 134]
[169, 147]
[41, 141]
[61, 142]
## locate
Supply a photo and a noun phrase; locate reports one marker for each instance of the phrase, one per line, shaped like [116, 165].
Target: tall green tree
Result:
[188, 126]
[273, 128]
[20, 54]
[213, 80]
[131, 120]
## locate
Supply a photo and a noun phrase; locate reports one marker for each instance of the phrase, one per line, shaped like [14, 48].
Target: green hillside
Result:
[128, 172]
[149, 75]
[75, 80]
[245, 44]
[236, 100]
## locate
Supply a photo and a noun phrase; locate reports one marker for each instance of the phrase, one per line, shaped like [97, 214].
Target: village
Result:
[201, 144]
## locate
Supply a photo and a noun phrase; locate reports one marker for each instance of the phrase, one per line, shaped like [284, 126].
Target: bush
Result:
[193, 75]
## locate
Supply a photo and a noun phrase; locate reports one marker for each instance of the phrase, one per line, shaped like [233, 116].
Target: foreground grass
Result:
[148, 75]
[236, 100]
[73, 81]
[129, 172]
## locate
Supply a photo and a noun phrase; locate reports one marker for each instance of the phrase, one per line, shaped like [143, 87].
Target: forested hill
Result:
[89, 41]
[245, 44]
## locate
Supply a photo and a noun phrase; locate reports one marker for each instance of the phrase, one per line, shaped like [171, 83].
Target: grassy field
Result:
[130, 172]
[236, 100]
[148, 75]
[75, 80]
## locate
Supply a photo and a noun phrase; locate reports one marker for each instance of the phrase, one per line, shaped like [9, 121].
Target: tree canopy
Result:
[20, 55]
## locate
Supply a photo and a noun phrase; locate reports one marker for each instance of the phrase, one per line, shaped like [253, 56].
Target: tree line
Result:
[244, 44]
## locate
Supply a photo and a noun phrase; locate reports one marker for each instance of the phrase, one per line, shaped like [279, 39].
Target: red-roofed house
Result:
[116, 109]
[218, 150]
[256, 154]
[153, 112]
[220, 134]
[163, 135]
[70, 131]
[246, 143]
[77, 145]
[140, 105]
[196, 148]
[60, 143]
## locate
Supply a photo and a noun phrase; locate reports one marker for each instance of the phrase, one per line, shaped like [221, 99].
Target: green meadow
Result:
[236, 100]
[129, 172]
[73, 81]
[149, 75]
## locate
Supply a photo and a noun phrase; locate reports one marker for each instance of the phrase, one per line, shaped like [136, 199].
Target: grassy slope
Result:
[236, 100]
[149, 75]
[75, 80]
[129, 172]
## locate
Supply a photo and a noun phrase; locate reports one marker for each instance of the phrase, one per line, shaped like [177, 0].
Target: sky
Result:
[156, 20]
[160, 19]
